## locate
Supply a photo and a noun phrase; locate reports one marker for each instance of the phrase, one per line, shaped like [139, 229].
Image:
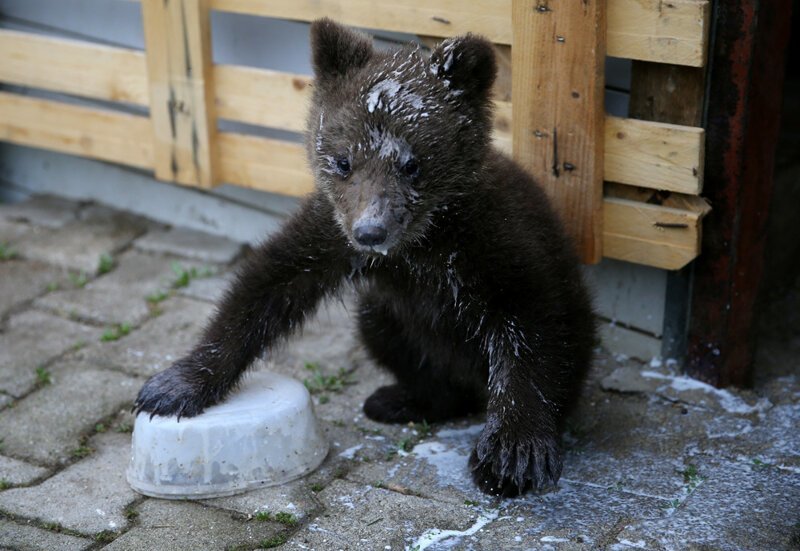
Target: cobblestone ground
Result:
[92, 301]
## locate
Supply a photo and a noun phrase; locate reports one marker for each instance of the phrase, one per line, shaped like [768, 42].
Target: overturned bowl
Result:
[264, 434]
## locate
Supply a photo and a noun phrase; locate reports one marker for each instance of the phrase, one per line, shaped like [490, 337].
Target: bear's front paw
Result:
[507, 464]
[171, 393]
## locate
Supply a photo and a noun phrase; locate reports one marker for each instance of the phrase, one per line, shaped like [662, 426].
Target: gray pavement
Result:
[92, 301]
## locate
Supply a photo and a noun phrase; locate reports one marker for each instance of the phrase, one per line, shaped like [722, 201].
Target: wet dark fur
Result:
[479, 304]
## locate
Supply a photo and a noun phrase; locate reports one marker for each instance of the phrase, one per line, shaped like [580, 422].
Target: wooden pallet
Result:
[558, 129]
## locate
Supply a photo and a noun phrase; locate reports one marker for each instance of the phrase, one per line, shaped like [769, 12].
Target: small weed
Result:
[263, 516]
[364, 430]
[80, 452]
[471, 503]
[105, 264]
[123, 427]
[184, 276]
[158, 296]
[43, 376]
[79, 280]
[324, 399]
[78, 345]
[423, 429]
[7, 253]
[130, 513]
[316, 487]
[100, 427]
[318, 383]
[287, 519]
[760, 465]
[116, 332]
[5, 484]
[1, 444]
[52, 286]
[406, 444]
[106, 536]
[274, 541]
[338, 423]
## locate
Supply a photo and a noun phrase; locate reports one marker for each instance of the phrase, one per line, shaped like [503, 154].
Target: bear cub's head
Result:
[394, 137]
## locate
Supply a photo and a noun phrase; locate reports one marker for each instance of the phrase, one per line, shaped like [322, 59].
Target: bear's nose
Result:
[369, 235]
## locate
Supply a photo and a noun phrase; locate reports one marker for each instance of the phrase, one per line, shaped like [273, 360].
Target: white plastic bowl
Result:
[264, 434]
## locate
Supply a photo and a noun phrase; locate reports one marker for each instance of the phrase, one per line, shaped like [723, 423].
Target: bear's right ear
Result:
[336, 49]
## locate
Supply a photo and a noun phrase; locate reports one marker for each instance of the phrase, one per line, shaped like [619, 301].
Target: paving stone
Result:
[30, 538]
[48, 211]
[178, 526]
[119, 296]
[684, 389]
[32, 339]
[295, 498]
[209, 289]
[156, 344]
[365, 517]
[46, 425]
[10, 232]
[22, 281]
[5, 400]
[18, 472]
[88, 497]
[190, 244]
[734, 506]
[79, 245]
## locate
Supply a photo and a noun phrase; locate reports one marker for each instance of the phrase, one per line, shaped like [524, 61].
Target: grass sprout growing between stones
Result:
[43, 376]
[5, 484]
[184, 276]
[105, 264]
[79, 280]
[158, 296]
[7, 253]
[274, 541]
[287, 519]
[692, 480]
[319, 383]
[116, 332]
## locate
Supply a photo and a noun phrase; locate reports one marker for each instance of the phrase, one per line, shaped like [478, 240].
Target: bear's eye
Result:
[343, 165]
[411, 168]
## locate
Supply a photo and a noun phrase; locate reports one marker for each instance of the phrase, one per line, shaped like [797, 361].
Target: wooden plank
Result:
[656, 155]
[178, 41]
[88, 132]
[263, 97]
[653, 30]
[558, 60]
[647, 234]
[264, 164]
[73, 67]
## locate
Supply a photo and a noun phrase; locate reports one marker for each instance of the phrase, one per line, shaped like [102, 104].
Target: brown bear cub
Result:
[470, 292]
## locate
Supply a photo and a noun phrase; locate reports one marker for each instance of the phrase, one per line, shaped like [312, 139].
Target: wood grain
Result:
[558, 60]
[178, 42]
[94, 133]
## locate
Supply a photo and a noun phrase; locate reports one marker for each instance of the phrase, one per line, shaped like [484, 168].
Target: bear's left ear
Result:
[467, 63]
[335, 49]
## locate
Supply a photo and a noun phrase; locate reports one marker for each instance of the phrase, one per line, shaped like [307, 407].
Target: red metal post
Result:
[749, 41]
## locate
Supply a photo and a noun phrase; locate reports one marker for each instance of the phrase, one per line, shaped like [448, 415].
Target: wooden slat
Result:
[263, 97]
[264, 164]
[178, 41]
[674, 31]
[650, 234]
[651, 30]
[73, 67]
[558, 124]
[656, 155]
[88, 132]
[280, 167]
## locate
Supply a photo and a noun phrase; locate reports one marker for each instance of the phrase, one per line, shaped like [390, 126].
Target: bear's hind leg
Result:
[427, 387]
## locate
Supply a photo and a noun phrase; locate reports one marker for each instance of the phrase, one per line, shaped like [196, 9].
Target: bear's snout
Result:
[369, 235]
